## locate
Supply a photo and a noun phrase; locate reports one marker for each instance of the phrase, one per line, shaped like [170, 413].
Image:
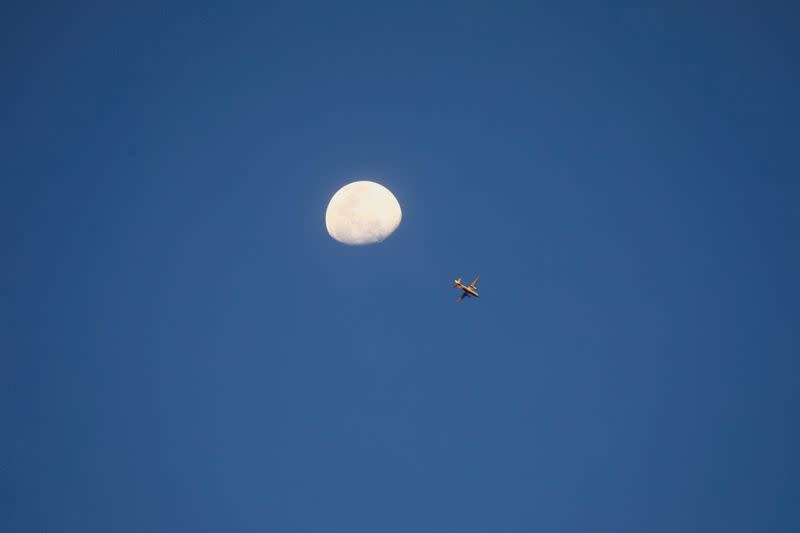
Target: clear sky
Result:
[184, 347]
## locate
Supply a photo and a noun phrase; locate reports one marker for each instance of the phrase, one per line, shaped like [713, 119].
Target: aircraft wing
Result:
[476, 281]
[463, 295]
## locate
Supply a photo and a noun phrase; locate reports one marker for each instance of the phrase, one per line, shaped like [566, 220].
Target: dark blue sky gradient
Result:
[186, 349]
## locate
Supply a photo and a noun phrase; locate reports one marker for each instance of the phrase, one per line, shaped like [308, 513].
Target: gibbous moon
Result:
[362, 212]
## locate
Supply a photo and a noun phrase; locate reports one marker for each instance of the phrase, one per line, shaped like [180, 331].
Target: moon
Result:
[362, 212]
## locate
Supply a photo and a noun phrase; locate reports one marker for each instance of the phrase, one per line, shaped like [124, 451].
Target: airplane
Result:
[469, 290]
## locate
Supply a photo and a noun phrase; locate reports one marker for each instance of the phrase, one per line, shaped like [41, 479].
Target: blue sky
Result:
[186, 349]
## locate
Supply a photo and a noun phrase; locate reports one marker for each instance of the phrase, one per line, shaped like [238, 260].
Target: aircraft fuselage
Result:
[467, 289]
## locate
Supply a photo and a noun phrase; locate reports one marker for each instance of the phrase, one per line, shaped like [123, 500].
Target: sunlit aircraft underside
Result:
[467, 290]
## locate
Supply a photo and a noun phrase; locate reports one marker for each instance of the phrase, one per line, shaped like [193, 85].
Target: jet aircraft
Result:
[467, 290]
